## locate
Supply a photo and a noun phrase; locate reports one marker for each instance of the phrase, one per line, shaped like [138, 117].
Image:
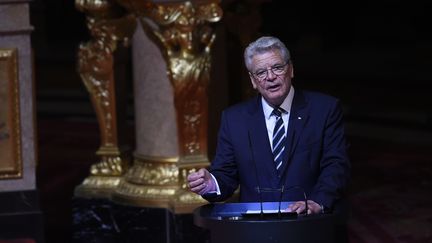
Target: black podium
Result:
[242, 222]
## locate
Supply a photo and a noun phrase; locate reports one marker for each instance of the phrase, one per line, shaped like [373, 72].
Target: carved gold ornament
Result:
[186, 38]
[108, 26]
[183, 31]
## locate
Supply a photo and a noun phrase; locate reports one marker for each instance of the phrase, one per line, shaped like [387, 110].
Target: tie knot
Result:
[277, 112]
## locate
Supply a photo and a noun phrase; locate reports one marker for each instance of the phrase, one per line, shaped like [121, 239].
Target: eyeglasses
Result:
[278, 70]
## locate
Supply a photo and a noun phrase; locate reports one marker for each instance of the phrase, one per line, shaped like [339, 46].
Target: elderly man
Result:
[283, 138]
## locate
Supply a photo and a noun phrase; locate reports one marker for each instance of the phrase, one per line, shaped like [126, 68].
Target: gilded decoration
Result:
[10, 140]
[185, 37]
[108, 25]
[151, 181]
[155, 181]
[183, 31]
[153, 172]
[186, 40]
[140, 195]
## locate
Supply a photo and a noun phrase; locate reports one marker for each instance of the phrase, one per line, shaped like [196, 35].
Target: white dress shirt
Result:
[271, 120]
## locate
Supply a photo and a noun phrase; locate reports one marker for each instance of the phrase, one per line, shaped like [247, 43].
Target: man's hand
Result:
[201, 182]
[300, 207]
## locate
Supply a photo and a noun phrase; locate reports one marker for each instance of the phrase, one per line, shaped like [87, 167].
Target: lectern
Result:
[232, 222]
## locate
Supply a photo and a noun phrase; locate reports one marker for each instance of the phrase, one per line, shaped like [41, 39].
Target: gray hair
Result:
[262, 45]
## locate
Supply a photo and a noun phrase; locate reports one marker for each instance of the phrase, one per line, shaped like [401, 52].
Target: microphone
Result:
[304, 197]
[256, 176]
[281, 191]
[280, 201]
[260, 190]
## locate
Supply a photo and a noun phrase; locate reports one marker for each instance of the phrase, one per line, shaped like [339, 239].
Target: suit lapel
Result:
[297, 121]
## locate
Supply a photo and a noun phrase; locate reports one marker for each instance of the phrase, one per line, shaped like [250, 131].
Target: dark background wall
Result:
[374, 55]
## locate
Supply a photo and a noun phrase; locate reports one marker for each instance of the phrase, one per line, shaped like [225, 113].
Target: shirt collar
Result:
[286, 104]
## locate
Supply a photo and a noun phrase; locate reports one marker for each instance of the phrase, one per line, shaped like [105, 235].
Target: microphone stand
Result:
[257, 178]
[261, 190]
[306, 202]
[261, 203]
[280, 201]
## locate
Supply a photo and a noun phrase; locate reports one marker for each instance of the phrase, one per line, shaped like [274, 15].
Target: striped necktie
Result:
[278, 138]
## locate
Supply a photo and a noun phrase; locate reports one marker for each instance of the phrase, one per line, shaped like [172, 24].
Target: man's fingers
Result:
[204, 189]
[191, 177]
[200, 188]
[196, 175]
[300, 207]
[196, 182]
[297, 207]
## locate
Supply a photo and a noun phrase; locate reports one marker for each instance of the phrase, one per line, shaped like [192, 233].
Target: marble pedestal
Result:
[102, 221]
[20, 217]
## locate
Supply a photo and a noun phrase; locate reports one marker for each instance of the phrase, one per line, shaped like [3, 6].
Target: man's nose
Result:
[270, 75]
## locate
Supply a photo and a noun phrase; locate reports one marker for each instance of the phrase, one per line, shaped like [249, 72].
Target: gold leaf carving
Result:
[153, 173]
[186, 38]
[142, 191]
[108, 25]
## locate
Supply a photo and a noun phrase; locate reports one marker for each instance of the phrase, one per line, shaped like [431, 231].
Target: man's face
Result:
[274, 85]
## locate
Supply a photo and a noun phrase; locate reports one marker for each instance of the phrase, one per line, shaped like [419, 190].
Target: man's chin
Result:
[274, 99]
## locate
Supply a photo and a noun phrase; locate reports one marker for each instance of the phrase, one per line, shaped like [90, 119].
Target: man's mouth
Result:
[273, 88]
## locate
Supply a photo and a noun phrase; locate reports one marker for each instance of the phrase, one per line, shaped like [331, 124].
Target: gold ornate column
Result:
[108, 24]
[183, 31]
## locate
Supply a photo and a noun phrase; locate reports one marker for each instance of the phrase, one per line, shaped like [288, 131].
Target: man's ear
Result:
[291, 71]
[252, 81]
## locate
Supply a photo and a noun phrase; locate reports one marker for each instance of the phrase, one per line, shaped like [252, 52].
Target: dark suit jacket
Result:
[315, 158]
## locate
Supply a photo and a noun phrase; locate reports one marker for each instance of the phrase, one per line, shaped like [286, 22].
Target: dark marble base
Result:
[101, 220]
[20, 216]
